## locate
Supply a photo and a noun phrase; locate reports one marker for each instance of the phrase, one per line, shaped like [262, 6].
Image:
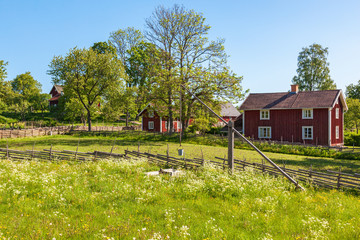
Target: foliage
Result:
[352, 116]
[3, 72]
[353, 91]
[87, 75]
[104, 47]
[313, 69]
[188, 58]
[116, 200]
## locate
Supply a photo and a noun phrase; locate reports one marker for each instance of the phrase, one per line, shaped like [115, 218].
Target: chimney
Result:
[294, 88]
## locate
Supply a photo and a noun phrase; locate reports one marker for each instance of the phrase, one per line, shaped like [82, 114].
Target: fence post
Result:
[113, 147]
[50, 152]
[202, 157]
[7, 149]
[338, 179]
[231, 146]
[167, 155]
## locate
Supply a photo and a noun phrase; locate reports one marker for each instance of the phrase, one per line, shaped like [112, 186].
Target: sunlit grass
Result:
[115, 199]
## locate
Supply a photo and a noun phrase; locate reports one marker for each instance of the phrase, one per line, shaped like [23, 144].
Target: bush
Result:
[351, 138]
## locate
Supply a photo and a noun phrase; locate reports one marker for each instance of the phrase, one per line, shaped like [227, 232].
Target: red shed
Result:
[313, 117]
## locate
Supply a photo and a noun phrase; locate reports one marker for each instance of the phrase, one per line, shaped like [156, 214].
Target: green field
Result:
[158, 144]
[116, 200]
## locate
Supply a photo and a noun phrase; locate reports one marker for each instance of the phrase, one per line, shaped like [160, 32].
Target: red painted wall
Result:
[147, 119]
[337, 122]
[156, 120]
[287, 123]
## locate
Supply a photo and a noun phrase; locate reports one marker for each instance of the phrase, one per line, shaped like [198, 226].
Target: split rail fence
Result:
[328, 179]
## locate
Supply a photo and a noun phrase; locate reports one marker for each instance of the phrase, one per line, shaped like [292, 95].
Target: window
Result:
[166, 125]
[151, 125]
[337, 132]
[151, 113]
[337, 113]
[264, 114]
[264, 132]
[307, 114]
[307, 132]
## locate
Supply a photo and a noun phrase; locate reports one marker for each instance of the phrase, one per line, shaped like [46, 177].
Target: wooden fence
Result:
[35, 132]
[327, 179]
[19, 133]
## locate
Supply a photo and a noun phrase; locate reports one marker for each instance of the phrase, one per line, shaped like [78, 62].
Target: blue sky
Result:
[263, 38]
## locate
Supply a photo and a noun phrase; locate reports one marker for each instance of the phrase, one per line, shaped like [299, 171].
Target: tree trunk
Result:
[89, 120]
[127, 117]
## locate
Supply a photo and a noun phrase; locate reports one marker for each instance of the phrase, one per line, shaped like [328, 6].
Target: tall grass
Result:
[116, 200]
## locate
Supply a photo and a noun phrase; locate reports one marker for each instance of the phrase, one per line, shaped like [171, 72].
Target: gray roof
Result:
[228, 110]
[289, 100]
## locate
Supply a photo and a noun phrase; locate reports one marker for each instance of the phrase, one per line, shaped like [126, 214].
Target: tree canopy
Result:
[352, 116]
[353, 91]
[190, 59]
[87, 75]
[313, 71]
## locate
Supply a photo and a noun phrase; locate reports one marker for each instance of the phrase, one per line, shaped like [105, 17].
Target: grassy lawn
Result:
[116, 200]
[158, 144]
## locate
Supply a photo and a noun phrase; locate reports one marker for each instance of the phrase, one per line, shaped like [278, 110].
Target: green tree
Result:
[87, 76]
[3, 72]
[353, 91]
[352, 116]
[104, 47]
[313, 69]
[123, 41]
[190, 59]
[6, 93]
[27, 94]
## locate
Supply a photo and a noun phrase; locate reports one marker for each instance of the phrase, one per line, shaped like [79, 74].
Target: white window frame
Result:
[305, 115]
[260, 132]
[151, 113]
[337, 113]
[263, 114]
[151, 125]
[337, 132]
[166, 125]
[303, 132]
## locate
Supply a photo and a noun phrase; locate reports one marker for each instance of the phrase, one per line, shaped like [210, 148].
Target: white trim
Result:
[160, 124]
[337, 113]
[264, 111]
[329, 127]
[153, 125]
[144, 109]
[311, 113]
[265, 127]
[303, 132]
[243, 123]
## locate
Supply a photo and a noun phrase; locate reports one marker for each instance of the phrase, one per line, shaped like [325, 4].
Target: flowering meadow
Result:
[115, 200]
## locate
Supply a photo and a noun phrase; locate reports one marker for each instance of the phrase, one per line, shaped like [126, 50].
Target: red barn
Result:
[56, 92]
[313, 117]
[229, 112]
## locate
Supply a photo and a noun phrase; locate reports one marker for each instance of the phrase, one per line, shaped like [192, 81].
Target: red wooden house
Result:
[151, 120]
[56, 92]
[311, 117]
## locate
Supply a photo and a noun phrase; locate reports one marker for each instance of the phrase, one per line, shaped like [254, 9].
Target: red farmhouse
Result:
[151, 121]
[313, 117]
[56, 92]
